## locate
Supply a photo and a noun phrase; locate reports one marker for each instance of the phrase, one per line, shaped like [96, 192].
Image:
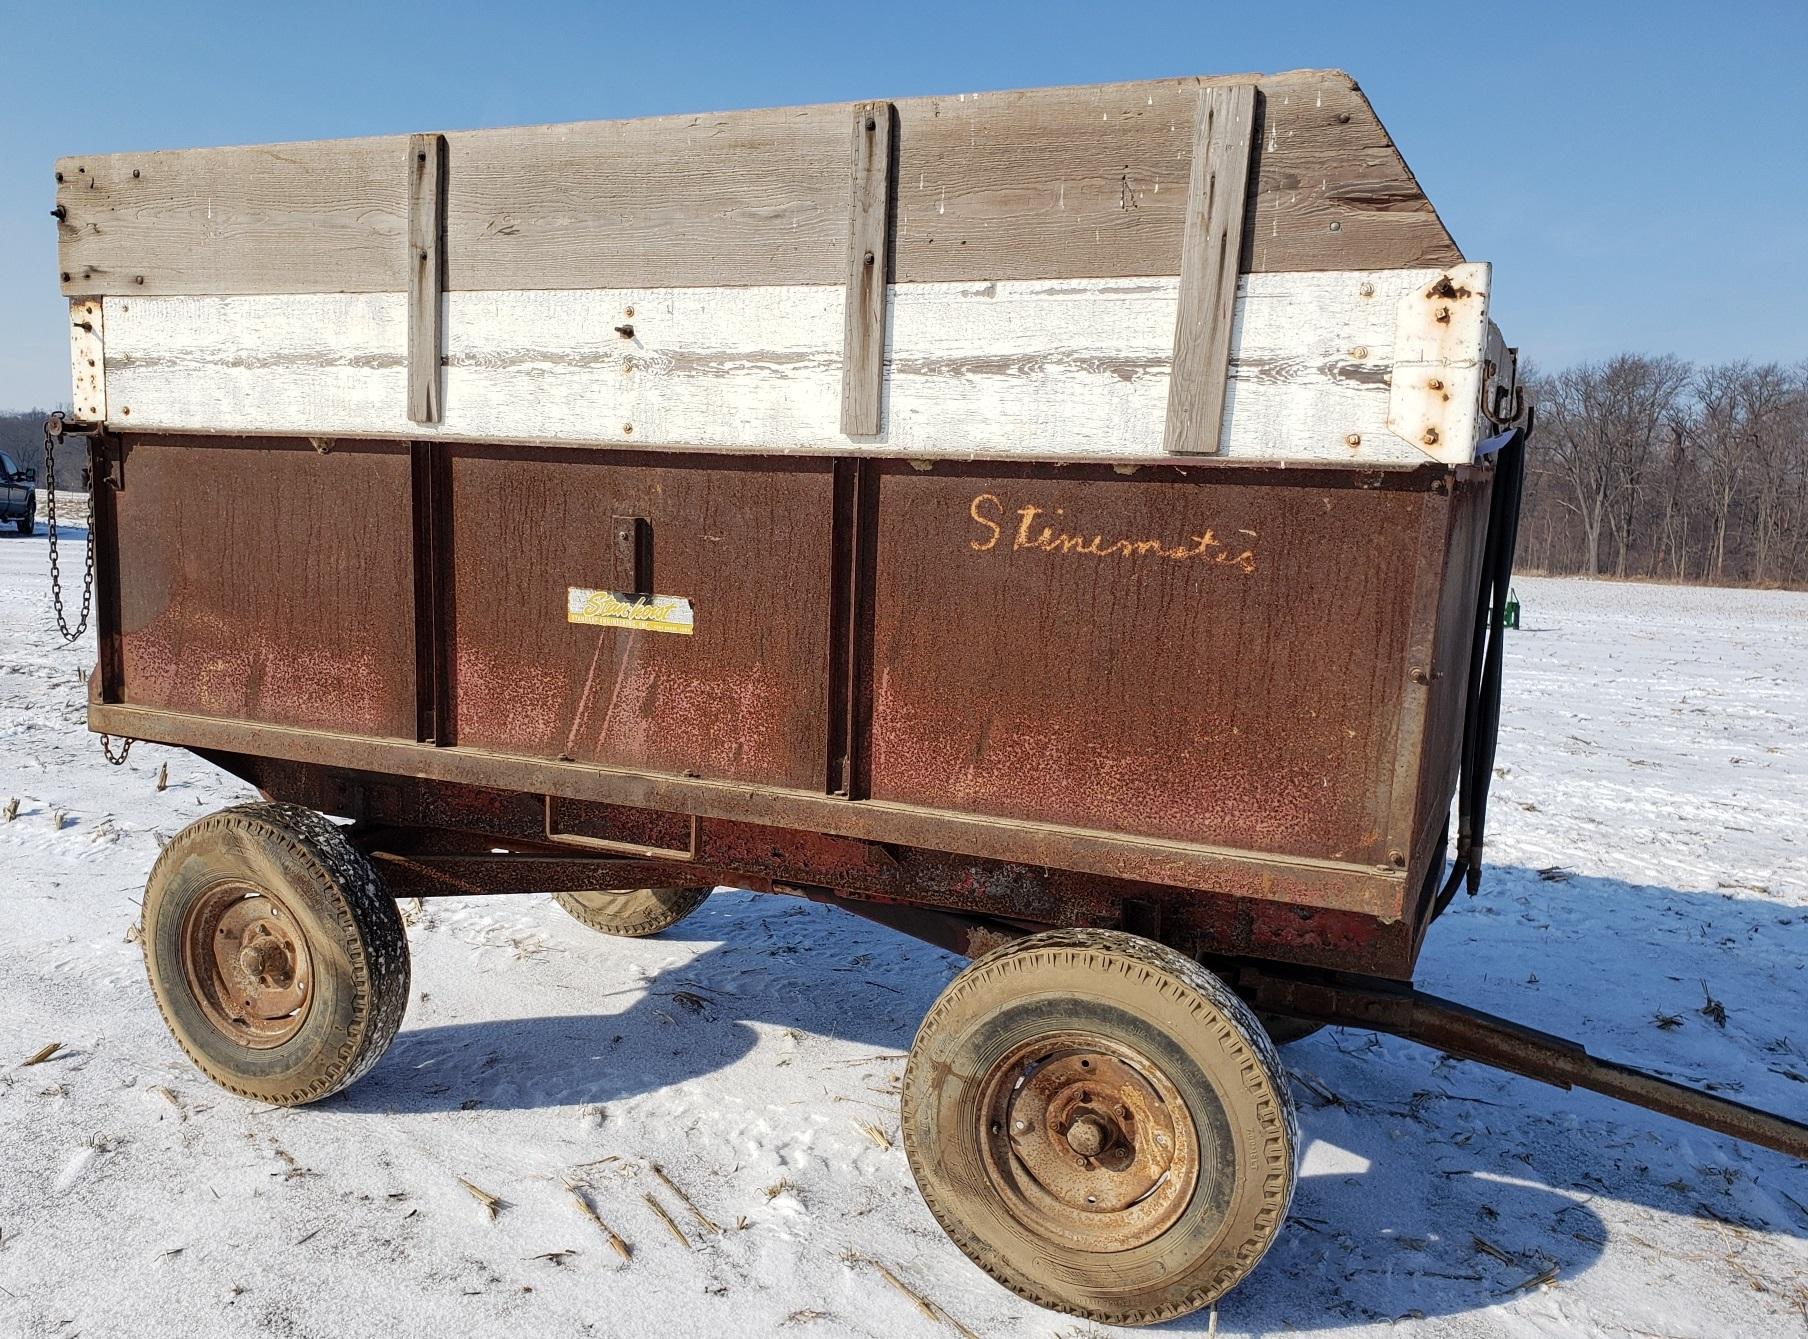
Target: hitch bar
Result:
[1472, 1035]
[1399, 1009]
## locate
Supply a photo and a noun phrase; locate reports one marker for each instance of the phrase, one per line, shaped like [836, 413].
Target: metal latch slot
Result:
[688, 852]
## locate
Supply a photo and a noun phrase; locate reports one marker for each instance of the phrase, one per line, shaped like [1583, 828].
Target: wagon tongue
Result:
[1472, 1035]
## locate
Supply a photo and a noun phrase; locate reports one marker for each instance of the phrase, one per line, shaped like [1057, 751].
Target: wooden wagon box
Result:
[1073, 490]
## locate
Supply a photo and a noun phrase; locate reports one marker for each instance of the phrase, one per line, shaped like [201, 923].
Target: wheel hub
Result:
[247, 963]
[1088, 1142]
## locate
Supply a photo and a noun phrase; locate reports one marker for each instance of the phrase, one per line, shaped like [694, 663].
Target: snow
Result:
[1654, 760]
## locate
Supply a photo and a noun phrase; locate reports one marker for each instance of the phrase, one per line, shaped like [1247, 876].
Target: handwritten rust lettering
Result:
[987, 510]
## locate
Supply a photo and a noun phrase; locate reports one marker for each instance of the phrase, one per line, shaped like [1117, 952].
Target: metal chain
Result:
[56, 579]
[56, 573]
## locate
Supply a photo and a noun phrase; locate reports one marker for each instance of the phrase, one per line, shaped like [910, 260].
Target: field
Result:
[1646, 892]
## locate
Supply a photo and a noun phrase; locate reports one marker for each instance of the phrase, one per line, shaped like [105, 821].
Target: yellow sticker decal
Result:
[621, 609]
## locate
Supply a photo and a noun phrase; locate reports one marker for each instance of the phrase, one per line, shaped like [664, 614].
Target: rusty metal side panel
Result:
[262, 580]
[1212, 656]
[1440, 750]
[745, 539]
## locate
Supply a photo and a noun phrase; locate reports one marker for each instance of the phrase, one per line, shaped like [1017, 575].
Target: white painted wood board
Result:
[1040, 369]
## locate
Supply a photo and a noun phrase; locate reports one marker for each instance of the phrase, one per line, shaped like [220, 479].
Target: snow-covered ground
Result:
[1654, 767]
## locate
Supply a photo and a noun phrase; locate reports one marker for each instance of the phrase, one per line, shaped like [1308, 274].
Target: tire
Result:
[632, 913]
[1127, 1206]
[28, 523]
[277, 959]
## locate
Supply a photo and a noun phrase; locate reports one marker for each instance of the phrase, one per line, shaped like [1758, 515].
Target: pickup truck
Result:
[18, 494]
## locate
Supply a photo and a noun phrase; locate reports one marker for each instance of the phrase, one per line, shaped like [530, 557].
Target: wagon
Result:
[1071, 526]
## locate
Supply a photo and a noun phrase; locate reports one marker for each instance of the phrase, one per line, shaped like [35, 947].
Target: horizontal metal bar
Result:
[1331, 885]
[685, 853]
[969, 936]
[479, 875]
[1390, 475]
[1473, 1035]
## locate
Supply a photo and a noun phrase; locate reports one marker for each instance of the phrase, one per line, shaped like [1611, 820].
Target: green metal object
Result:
[1509, 614]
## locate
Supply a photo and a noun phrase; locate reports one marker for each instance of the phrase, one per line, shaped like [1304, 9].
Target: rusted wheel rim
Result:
[247, 964]
[1087, 1142]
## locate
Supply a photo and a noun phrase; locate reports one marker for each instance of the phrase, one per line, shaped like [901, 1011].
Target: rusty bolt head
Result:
[1420, 676]
[629, 313]
[1396, 858]
[1352, 439]
[1442, 314]
[1360, 351]
[1367, 290]
[1436, 384]
[627, 429]
[1431, 437]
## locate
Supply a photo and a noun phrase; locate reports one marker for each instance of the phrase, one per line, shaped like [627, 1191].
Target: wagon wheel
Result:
[278, 961]
[1101, 1125]
[632, 913]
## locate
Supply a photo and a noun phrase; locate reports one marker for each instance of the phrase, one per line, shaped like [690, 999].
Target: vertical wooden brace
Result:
[1210, 256]
[426, 275]
[868, 269]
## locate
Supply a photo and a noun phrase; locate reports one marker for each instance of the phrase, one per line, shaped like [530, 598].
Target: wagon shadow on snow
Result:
[1429, 1187]
[775, 963]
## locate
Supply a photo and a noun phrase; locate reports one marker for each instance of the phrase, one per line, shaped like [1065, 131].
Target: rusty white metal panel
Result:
[1440, 355]
[87, 359]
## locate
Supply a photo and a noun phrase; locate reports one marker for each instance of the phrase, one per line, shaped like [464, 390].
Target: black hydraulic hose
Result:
[1481, 713]
[1509, 485]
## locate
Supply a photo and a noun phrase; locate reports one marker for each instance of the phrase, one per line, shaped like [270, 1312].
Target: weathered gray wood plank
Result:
[1066, 182]
[1209, 254]
[327, 216]
[863, 318]
[426, 275]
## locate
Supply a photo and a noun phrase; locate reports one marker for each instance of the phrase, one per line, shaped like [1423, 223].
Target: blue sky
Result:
[1637, 173]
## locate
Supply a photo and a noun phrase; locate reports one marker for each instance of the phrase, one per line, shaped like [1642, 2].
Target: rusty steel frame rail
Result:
[1331, 885]
[1473, 1035]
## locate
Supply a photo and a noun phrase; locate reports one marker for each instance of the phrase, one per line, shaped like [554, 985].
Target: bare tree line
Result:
[1653, 467]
